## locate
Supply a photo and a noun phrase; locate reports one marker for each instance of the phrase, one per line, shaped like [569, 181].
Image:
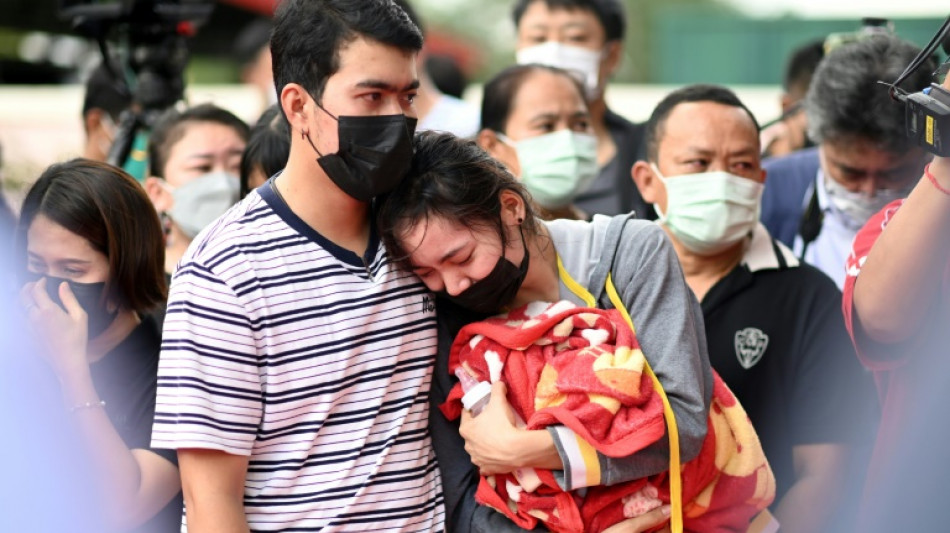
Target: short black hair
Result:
[308, 36]
[253, 38]
[413, 15]
[801, 66]
[610, 13]
[170, 128]
[691, 93]
[500, 91]
[268, 147]
[105, 92]
[845, 101]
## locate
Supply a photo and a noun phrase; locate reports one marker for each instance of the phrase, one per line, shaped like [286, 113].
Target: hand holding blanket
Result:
[583, 368]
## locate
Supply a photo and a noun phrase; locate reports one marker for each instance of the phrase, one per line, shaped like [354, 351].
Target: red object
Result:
[933, 180]
[583, 368]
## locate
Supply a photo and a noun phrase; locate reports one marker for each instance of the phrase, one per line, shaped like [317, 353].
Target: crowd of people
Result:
[262, 331]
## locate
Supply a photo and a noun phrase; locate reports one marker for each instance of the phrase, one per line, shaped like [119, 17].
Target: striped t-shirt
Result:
[314, 362]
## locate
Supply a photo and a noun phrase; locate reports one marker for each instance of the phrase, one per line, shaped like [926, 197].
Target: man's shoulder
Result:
[246, 224]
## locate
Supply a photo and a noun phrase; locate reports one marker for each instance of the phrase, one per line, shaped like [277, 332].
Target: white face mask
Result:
[857, 206]
[710, 211]
[556, 166]
[580, 61]
[203, 199]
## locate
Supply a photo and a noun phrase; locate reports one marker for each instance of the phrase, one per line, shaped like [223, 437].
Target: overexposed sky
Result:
[844, 8]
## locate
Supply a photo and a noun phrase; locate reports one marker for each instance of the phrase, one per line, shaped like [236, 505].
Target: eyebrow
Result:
[386, 86]
[445, 257]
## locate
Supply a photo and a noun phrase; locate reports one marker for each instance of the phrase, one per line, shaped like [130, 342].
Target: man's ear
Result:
[293, 100]
[92, 120]
[159, 194]
[646, 181]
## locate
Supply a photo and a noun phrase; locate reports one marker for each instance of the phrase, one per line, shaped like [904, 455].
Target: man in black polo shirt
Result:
[775, 332]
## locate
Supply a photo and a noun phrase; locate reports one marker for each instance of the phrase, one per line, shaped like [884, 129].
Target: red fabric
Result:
[584, 369]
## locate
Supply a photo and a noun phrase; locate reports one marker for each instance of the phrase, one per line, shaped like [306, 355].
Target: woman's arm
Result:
[136, 484]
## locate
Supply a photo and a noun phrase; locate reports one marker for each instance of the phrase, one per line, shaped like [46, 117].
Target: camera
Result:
[151, 57]
[928, 119]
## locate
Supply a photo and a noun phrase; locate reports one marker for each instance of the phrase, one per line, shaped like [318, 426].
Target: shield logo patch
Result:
[750, 345]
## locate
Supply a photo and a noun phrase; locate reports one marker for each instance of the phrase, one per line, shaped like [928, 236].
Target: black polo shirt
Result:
[776, 335]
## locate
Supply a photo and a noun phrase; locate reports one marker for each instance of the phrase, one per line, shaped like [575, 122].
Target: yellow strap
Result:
[676, 482]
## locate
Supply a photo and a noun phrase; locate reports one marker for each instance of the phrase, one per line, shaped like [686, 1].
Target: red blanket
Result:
[582, 368]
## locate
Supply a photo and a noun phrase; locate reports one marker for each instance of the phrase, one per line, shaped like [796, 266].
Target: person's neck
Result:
[323, 206]
[175, 247]
[541, 282]
[606, 149]
[125, 321]
[702, 272]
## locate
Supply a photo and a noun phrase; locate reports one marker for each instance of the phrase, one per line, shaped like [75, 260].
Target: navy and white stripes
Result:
[312, 361]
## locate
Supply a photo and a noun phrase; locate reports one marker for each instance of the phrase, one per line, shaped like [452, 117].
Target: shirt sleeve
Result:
[209, 387]
[669, 328]
[872, 355]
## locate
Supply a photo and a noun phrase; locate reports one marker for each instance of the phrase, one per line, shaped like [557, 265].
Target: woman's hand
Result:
[61, 334]
[498, 446]
[644, 522]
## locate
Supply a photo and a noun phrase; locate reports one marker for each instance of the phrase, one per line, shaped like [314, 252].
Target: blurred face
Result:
[702, 137]
[861, 167]
[576, 27]
[545, 103]
[450, 257]
[374, 79]
[206, 147]
[53, 250]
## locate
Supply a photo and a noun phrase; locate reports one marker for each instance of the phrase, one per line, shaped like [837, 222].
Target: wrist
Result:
[536, 449]
[938, 172]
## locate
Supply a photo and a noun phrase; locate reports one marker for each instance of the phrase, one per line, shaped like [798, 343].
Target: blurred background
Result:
[740, 43]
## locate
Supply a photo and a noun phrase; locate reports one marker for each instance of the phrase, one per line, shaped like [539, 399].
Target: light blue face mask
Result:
[556, 166]
[202, 200]
[710, 211]
[857, 206]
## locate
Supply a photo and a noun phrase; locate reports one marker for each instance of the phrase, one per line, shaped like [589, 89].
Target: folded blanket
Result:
[582, 368]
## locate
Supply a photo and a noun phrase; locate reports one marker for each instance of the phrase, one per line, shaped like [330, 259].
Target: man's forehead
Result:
[690, 122]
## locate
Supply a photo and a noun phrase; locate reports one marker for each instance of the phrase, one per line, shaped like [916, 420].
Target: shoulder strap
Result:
[598, 276]
[811, 222]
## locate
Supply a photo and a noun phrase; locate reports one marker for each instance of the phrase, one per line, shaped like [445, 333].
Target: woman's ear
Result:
[158, 193]
[512, 208]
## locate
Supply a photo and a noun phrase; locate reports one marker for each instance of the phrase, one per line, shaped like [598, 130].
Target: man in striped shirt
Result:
[296, 359]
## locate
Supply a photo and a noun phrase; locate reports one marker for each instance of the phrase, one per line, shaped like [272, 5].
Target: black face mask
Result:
[89, 296]
[374, 156]
[496, 290]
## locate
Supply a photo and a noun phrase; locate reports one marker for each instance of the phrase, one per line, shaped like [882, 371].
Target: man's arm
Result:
[213, 485]
[820, 483]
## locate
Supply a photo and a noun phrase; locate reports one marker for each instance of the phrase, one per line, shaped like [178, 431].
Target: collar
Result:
[824, 203]
[765, 253]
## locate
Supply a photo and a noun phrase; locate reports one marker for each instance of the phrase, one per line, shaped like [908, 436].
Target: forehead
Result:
[543, 91]
[711, 124]
[539, 14]
[51, 241]
[865, 154]
[429, 239]
[205, 136]
[365, 59]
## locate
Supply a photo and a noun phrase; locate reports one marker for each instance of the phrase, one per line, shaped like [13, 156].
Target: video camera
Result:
[152, 55]
[928, 112]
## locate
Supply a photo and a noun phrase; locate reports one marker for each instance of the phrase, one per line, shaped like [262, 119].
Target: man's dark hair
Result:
[172, 125]
[610, 13]
[253, 38]
[690, 93]
[106, 93]
[801, 67]
[413, 15]
[308, 36]
[499, 93]
[845, 101]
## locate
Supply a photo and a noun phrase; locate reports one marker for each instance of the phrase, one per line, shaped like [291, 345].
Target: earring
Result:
[520, 220]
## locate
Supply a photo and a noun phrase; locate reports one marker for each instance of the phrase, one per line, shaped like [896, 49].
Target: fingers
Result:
[498, 389]
[644, 522]
[69, 301]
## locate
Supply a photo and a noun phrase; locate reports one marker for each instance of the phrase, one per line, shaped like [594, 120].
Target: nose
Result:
[869, 185]
[456, 284]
